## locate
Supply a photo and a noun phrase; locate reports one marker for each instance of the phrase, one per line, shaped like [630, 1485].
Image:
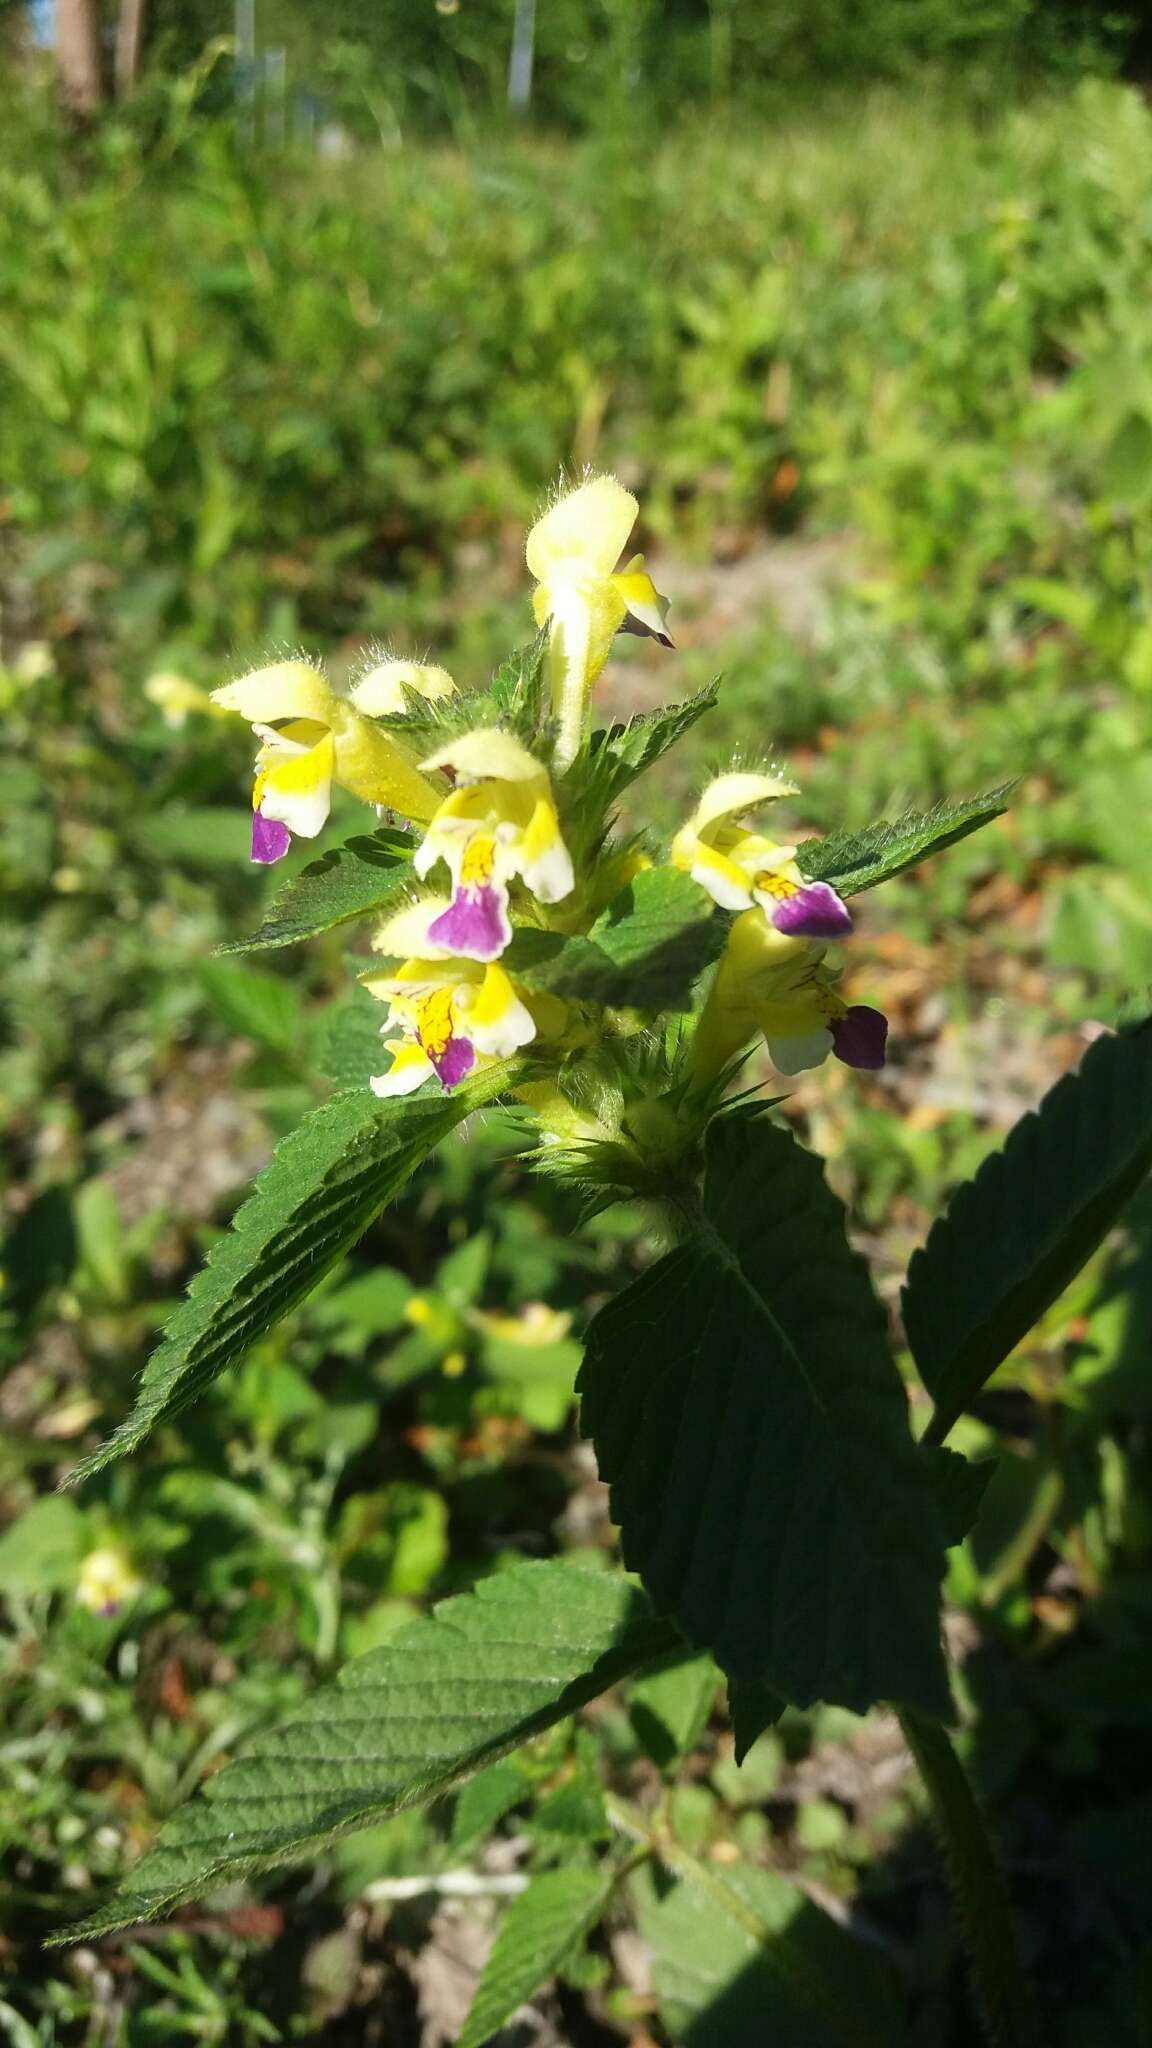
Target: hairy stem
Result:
[1004, 1995]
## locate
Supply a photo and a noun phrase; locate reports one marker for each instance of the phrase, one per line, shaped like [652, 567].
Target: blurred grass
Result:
[880, 369]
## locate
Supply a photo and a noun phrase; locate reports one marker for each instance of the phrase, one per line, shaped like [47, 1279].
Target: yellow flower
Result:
[741, 869]
[499, 821]
[177, 695]
[777, 986]
[311, 738]
[583, 598]
[454, 1016]
[536, 1325]
[107, 1580]
[382, 693]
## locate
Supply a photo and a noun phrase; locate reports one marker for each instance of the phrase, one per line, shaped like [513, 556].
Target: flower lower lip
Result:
[270, 839]
[813, 912]
[475, 924]
[456, 1061]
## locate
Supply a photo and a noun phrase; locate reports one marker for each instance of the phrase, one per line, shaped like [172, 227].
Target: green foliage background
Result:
[880, 368]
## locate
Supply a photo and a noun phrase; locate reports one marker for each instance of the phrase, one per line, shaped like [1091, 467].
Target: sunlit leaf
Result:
[444, 1698]
[852, 861]
[351, 880]
[644, 951]
[537, 1932]
[325, 1183]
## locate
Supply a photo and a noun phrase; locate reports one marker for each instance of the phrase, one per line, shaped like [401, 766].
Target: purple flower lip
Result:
[815, 911]
[860, 1037]
[457, 1059]
[270, 839]
[474, 925]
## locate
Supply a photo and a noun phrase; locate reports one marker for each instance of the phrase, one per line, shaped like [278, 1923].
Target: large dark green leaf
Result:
[1014, 1236]
[444, 1698]
[754, 1429]
[325, 1183]
[852, 861]
[364, 874]
[645, 950]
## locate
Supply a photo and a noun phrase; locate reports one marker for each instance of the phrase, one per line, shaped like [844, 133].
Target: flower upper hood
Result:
[582, 596]
[741, 869]
[499, 822]
[310, 738]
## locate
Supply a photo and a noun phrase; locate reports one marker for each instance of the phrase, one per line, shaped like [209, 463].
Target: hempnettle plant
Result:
[777, 1514]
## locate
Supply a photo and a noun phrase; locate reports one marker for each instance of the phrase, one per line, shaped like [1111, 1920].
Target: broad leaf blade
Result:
[852, 861]
[447, 1696]
[754, 1429]
[1014, 1236]
[537, 1932]
[959, 1487]
[742, 1960]
[669, 1707]
[644, 951]
[753, 1707]
[324, 1185]
[361, 876]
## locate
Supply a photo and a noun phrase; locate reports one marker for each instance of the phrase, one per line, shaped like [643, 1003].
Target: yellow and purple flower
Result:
[451, 1016]
[741, 869]
[311, 738]
[108, 1580]
[583, 598]
[777, 987]
[499, 822]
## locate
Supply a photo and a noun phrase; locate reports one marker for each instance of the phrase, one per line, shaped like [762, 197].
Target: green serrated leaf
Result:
[539, 1929]
[623, 752]
[447, 1696]
[644, 951]
[1014, 1236]
[670, 1706]
[263, 1006]
[350, 881]
[852, 861]
[753, 1707]
[485, 1800]
[753, 1427]
[745, 1959]
[517, 685]
[321, 1190]
[959, 1487]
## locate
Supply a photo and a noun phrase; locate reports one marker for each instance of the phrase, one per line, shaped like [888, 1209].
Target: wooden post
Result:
[78, 53]
[129, 43]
